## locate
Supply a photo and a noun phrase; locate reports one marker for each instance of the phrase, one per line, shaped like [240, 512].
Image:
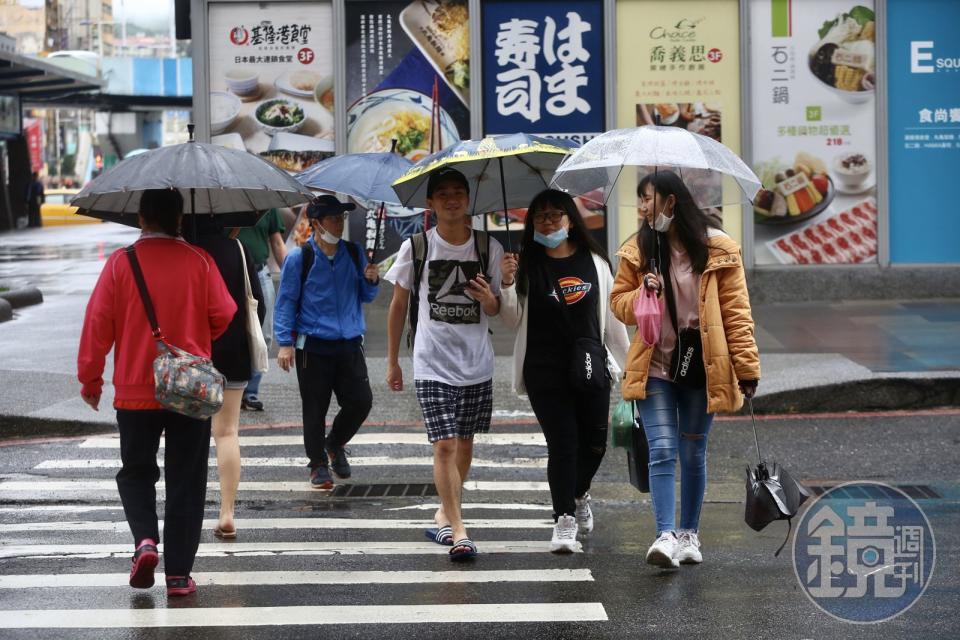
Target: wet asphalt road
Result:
[740, 591]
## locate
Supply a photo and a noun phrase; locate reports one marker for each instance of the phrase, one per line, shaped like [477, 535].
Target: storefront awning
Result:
[36, 80]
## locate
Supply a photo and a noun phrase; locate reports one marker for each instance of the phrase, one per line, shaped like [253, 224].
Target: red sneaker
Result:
[145, 560]
[180, 586]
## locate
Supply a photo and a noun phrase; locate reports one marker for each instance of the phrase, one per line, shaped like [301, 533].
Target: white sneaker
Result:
[662, 551]
[564, 535]
[688, 548]
[584, 514]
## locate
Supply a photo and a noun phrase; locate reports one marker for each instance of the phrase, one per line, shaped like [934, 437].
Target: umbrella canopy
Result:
[701, 162]
[365, 176]
[504, 171]
[212, 179]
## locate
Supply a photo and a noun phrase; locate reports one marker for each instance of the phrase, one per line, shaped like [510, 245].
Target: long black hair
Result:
[691, 223]
[532, 253]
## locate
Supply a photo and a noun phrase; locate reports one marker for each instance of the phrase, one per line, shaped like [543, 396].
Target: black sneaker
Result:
[338, 461]
[251, 403]
[320, 478]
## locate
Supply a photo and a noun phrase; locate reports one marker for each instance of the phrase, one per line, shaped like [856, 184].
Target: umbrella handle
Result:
[755, 438]
[376, 239]
[506, 213]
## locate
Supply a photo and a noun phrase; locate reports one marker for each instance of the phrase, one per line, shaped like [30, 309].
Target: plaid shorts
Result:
[455, 412]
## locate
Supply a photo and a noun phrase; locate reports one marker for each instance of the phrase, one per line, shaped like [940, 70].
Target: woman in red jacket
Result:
[193, 308]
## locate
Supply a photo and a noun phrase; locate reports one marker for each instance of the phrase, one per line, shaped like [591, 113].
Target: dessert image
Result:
[852, 169]
[844, 58]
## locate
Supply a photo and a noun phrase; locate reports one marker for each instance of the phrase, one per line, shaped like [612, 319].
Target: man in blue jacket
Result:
[319, 325]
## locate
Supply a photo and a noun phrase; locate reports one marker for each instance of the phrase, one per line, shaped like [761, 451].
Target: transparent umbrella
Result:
[702, 162]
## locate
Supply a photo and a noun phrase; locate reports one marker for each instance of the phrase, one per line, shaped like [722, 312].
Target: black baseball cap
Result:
[328, 206]
[445, 174]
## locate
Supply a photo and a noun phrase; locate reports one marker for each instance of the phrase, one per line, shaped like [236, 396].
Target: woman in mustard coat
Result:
[700, 277]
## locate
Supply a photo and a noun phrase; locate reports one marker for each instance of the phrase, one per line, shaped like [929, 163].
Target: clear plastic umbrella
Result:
[702, 162]
[212, 179]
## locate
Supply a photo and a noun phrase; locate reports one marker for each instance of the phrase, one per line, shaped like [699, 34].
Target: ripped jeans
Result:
[575, 427]
[675, 420]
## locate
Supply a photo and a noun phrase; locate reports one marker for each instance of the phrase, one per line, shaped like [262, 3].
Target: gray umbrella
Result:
[212, 179]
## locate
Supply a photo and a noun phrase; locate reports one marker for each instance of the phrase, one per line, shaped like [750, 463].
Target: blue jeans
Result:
[675, 420]
[269, 299]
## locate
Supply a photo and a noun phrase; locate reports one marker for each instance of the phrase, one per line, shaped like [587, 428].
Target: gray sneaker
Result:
[688, 548]
[564, 538]
[584, 514]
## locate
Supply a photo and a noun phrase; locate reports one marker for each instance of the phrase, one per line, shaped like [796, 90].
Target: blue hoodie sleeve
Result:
[368, 292]
[288, 297]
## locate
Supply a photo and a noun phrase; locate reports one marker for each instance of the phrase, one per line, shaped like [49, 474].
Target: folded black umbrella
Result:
[772, 493]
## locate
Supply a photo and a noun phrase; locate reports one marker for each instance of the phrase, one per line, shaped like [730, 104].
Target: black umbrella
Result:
[234, 185]
[772, 493]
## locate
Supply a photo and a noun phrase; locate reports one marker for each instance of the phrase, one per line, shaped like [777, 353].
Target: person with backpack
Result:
[319, 326]
[448, 278]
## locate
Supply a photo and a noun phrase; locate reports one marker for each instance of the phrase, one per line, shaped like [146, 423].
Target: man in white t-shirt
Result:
[452, 355]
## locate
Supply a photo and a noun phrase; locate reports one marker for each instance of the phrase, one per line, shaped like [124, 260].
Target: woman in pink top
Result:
[681, 253]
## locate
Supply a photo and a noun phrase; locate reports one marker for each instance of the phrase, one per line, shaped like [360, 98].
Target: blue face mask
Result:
[553, 240]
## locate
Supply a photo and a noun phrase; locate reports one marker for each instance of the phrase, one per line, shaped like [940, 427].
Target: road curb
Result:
[864, 396]
[22, 297]
[879, 394]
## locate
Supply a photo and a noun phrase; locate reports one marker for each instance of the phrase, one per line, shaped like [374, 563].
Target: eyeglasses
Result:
[552, 216]
[335, 216]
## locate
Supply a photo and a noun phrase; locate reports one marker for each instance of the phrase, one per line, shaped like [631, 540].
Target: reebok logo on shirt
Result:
[574, 289]
[447, 282]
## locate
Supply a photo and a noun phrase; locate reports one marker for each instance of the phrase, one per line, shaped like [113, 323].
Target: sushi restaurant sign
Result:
[543, 68]
[813, 127]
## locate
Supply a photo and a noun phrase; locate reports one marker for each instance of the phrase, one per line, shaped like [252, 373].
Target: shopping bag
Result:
[647, 310]
[621, 425]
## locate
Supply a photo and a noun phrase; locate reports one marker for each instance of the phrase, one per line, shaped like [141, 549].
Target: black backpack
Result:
[481, 240]
[309, 255]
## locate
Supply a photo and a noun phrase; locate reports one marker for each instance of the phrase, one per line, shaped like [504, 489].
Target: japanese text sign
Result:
[543, 68]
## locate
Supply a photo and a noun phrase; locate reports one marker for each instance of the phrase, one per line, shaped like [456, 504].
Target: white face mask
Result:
[326, 236]
[662, 221]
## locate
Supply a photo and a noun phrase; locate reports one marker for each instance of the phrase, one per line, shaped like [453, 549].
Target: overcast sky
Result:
[148, 13]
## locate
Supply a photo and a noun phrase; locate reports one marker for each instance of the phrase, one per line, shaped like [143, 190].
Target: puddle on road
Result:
[96, 251]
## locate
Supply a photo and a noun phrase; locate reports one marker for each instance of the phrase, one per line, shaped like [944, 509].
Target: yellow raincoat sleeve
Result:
[738, 321]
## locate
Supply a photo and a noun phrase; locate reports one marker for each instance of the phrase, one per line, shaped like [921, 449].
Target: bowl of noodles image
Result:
[382, 116]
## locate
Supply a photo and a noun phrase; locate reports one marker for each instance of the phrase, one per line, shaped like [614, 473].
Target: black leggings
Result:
[574, 424]
[185, 470]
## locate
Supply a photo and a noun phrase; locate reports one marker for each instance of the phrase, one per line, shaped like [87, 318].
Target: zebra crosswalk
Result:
[302, 557]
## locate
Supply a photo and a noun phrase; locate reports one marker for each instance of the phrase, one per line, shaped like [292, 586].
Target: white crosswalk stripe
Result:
[418, 438]
[11, 488]
[66, 525]
[247, 578]
[308, 615]
[299, 463]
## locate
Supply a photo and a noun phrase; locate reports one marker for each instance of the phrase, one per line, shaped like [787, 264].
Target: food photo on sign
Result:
[396, 53]
[271, 81]
[814, 132]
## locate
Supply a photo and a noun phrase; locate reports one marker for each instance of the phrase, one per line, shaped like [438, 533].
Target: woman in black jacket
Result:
[231, 356]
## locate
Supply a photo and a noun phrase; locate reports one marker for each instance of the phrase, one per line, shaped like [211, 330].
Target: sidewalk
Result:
[815, 356]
